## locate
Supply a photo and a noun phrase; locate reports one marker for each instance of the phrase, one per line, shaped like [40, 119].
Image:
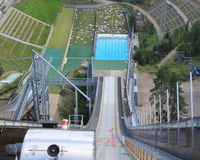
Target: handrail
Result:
[185, 123]
[19, 124]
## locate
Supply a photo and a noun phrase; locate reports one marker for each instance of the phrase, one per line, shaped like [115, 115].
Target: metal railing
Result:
[19, 124]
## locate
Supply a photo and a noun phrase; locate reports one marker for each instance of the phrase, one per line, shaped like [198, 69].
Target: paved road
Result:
[108, 146]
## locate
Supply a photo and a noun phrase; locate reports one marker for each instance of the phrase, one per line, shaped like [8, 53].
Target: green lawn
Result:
[110, 65]
[110, 20]
[14, 50]
[84, 27]
[72, 64]
[43, 37]
[15, 64]
[44, 10]
[78, 2]
[79, 51]
[62, 29]
[57, 56]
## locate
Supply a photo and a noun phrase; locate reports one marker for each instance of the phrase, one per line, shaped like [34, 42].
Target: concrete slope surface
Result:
[108, 146]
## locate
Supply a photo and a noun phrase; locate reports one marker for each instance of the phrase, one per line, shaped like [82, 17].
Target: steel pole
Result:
[76, 107]
[160, 109]
[178, 110]
[34, 85]
[168, 118]
[154, 108]
[146, 115]
[150, 114]
[140, 117]
[192, 109]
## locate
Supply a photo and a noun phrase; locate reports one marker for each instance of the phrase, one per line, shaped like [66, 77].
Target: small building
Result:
[11, 78]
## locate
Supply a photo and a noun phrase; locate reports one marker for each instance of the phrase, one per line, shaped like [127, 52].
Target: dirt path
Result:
[53, 101]
[169, 56]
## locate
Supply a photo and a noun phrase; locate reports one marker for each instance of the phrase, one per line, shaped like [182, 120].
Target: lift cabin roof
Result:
[40, 144]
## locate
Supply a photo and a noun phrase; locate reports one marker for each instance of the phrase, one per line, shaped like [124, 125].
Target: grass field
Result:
[59, 40]
[79, 51]
[84, 27]
[44, 10]
[72, 64]
[109, 65]
[12, 48]
[19, 25]
[78, 2]
[15, 64]
[62, 29]
[12, 53]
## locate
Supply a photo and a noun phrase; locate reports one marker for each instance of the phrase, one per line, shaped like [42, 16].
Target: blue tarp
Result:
[196, 70]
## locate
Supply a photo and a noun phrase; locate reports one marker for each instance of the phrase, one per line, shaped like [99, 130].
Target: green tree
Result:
[194, 38]
[1, 70]
[166, 79]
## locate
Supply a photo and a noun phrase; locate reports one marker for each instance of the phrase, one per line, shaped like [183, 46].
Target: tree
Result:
[67, 101]
[1, 70]
[194, 38]
[166, 79]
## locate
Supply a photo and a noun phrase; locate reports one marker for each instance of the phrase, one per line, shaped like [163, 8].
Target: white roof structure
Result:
[73, 145]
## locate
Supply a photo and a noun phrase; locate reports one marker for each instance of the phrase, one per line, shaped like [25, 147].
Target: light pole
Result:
[192, 108]
[178, 110]
[168, 118]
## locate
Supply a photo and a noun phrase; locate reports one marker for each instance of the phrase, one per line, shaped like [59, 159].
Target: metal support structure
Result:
[35, 101]
[160, 109]
[168, 118]
[90, 107]
[76, 107]
[141, 116]
[35, 89]
[140, 113]
[44, 93]
[64, 78]
[164, 13]
[154, 109]
[150, 114]
[178, 111]
[192, 110]
[146, 115]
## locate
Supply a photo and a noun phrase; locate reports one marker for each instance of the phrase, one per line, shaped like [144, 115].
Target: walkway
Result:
[108, 145]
